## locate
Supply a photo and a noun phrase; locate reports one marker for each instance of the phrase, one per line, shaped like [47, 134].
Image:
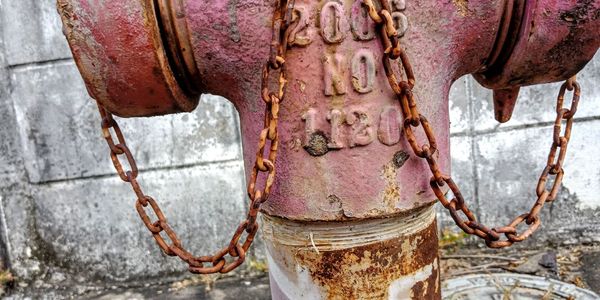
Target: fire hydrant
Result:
[351, 213]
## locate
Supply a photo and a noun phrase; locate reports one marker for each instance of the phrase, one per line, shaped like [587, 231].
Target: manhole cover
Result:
[511, 286]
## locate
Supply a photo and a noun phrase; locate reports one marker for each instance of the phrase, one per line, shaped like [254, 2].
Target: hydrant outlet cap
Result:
[134, 56]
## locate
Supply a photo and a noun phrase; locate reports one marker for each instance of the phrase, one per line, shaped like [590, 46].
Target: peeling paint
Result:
[404, 288]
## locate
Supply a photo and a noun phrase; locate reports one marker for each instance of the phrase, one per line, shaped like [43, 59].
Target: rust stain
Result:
[463, 6]
[392, 190]
[366, 272]
[391, 193]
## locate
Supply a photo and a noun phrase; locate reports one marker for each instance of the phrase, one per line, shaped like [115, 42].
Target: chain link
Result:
[459, 211]
[167, 240]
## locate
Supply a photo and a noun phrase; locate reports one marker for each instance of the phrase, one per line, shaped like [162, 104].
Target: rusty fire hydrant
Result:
[351, 214]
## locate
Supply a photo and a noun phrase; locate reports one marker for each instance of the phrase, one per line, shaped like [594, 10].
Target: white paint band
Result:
[328, 236]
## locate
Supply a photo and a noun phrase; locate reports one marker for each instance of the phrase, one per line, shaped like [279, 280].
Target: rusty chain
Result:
[428, 151]
[273, 74]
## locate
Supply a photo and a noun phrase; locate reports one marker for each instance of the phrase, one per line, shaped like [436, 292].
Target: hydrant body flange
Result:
[343, 158]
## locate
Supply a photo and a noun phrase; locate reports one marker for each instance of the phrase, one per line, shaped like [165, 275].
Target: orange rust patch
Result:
[391, 193]
[462, 6]
[366, 272]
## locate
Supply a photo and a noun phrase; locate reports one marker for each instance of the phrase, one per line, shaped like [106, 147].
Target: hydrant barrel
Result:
[351, 214]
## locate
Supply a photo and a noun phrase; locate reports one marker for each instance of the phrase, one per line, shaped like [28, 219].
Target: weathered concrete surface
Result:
[203, 199]
[60, 136]
[102, 236]
[8, 159]
[13, 214]
[518, 159]
[32, 31]
[462, 172]
[99, 209]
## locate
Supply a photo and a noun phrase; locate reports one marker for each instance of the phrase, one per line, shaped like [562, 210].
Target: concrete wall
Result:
[62, 205]
[498, 165]
[63, 208]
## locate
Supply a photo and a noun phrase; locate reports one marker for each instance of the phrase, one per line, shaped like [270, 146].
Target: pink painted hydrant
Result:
[350, 215]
